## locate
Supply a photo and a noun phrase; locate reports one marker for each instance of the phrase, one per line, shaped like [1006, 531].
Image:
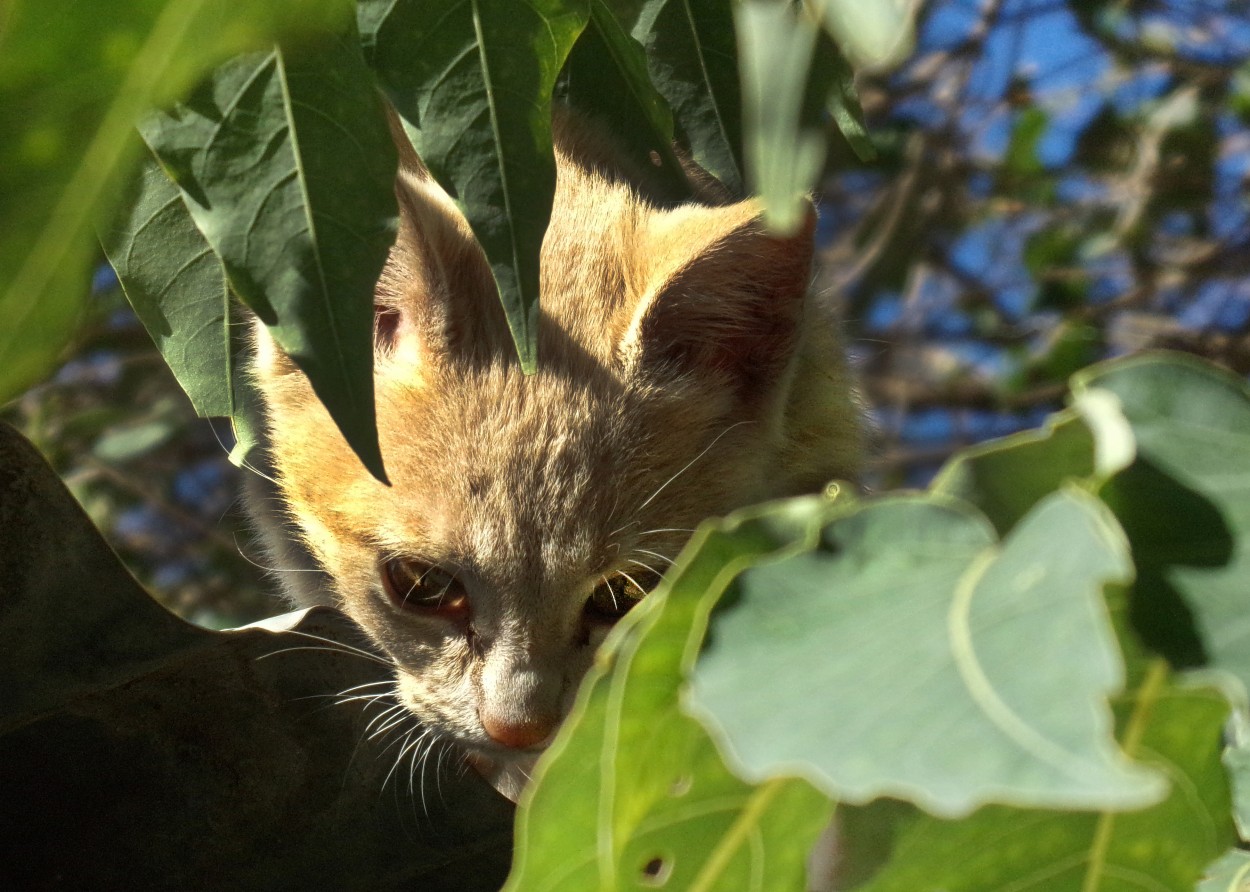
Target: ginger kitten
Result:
[685, 371]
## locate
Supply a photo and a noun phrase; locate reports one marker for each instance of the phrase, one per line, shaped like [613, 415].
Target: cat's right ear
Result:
[436, 298]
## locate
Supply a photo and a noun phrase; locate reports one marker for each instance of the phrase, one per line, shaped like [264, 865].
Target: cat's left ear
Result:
[721, 296]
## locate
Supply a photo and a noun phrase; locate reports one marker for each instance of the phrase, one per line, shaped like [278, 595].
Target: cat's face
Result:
[527, 514]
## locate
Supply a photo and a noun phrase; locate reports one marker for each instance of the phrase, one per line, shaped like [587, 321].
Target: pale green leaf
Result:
[1231, 873]
[474, 80]
[924, 637]
[784, 158]
[287, 166]
[877, 34]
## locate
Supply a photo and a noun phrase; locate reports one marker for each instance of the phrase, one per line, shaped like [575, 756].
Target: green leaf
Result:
[1005, 478]
[1185, 505]
[1236, 760]
[1162, 848]
[631, 779]
[608, 79]
[693, 58]
[474, 79]
[843, 101]
[878, 34]
[924, 635]
[287, 166]
[784, 154]
[1231, 873]
[74, 78]
[177, 287]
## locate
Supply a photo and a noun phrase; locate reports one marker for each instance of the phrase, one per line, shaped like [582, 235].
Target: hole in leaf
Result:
[681, 785]
[656, 872]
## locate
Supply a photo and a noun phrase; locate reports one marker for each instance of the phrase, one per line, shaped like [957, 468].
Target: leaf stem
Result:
[1147, 696]
[746, 821]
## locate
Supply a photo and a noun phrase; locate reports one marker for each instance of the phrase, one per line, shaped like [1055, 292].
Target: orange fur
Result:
[684, 372]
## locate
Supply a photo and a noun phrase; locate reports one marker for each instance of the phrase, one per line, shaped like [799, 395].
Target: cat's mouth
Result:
[508, 776]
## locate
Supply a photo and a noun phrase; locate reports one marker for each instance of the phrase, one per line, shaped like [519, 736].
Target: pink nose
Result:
[517, 735]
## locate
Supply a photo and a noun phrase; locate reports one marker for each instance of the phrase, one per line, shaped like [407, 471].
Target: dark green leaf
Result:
[177, 287]
[74, 78]
[693, 58]
[474, 79]
[924, 635]
[608, 79]
[288, 169]
[178, 758]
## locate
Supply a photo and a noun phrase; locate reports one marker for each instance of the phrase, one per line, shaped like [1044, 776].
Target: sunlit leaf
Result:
[784, 157]
[877, 34]
[287, 166]
[1231, 873]
[74, 78]
[618, 791]
[925, 637]
[474, 79]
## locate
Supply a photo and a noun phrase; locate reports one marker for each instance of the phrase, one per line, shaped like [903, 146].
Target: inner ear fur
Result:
[721, 295]
[436, 285]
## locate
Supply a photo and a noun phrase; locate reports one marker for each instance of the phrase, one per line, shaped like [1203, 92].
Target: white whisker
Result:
[688, 464]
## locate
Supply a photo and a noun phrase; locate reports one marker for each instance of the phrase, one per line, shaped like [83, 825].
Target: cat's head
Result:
[526, 514]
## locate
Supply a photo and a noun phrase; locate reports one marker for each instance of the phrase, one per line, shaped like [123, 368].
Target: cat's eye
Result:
[424, 588]
[616, 595]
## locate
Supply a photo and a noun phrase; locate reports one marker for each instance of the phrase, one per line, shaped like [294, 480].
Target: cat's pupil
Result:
[423, 588]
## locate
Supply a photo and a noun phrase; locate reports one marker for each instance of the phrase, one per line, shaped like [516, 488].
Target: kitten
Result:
[685, 371]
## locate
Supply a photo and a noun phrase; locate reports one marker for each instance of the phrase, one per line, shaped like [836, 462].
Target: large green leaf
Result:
[1185, 505]
[631, 780]
[608, 79]
[177, 287]
[287, 166]
[1163, 848]
[1005, 478]
[924, 635]
[74, 78]
[693, 58]
[474, 80]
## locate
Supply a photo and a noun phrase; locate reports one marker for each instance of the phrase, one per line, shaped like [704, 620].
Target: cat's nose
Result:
[517, 734]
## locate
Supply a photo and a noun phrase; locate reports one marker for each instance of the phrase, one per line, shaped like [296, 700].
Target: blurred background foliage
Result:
[1057, 181]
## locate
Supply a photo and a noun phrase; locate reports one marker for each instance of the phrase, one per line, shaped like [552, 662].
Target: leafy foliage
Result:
[1040, 650]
